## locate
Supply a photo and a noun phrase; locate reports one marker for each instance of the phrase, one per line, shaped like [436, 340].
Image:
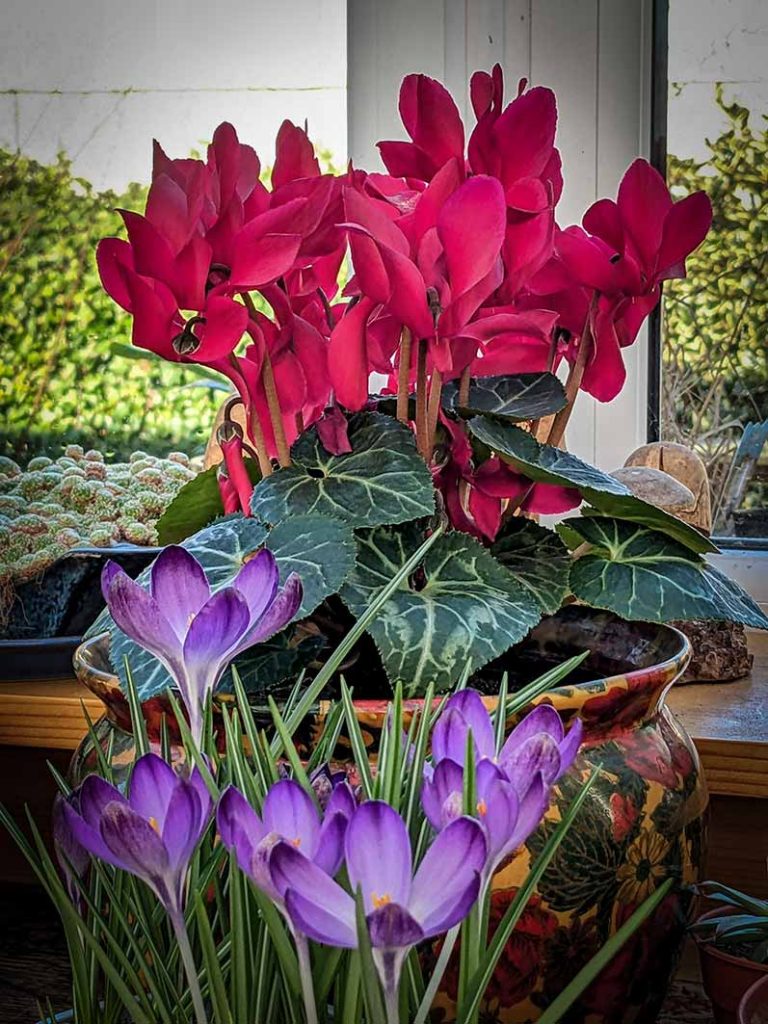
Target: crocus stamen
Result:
[153, 823]
[482, 808]
[380, 901]
[296, 842]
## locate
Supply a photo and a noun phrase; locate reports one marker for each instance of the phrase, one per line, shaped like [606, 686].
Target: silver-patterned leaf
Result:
[382, 480]
[460, 608]
[640, 573]
[544, 463]
[537, 558]
[517, 397]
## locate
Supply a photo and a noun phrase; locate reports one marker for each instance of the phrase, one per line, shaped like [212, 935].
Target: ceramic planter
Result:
[728, 978]
[642, 822]
[753, 1008]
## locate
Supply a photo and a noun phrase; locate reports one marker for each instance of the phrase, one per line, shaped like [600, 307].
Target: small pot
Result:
[727, 978]
[753, 1008]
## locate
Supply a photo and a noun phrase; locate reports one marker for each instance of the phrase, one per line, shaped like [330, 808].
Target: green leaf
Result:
[642, 574]
[382, 480]
[321, 549]
[195, 506]
[544, 463]
[537, 558]
[519, 397]
[461, 607]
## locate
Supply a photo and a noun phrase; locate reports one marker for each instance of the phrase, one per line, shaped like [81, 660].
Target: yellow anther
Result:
[296, 842]
[380, 901]
[482, 808]
[153, 823]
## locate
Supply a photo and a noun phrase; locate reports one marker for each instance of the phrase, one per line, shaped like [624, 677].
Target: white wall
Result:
[594, 53]
[100, 78]
[714, 41]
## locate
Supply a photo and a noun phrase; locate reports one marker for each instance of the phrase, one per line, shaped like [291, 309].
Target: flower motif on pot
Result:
[644, 869]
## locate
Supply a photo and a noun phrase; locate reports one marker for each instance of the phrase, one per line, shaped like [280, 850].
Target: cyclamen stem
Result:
[305, 973]
[573, 381]
[254, 426]
[433, 409]
[404, 375]
[275, 413]
[421, 398]
[188, 961]
[464, 382]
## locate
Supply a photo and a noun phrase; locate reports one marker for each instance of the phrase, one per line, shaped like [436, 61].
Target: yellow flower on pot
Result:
[644, 869]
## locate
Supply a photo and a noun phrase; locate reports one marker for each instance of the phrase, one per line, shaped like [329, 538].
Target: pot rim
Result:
[651, 682]
[707, 947]
[758, 986]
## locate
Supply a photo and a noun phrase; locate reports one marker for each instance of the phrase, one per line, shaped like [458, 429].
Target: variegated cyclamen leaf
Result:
[383, 480]
[639, 573]
[319, 548]
[460, 608]
[537, 558]
[518, 397]
[546, 464]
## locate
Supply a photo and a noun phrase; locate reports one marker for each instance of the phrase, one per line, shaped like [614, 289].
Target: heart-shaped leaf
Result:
[522, 396]
[547, 464]
[639, 573]
[537, 558]
[196, 505]
[460, 608]
[319, 548]
[383, 480]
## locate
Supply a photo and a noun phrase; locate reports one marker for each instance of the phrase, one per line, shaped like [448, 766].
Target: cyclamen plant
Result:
[470, 299]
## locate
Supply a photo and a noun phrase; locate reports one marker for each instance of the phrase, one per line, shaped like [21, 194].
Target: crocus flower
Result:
[194, 633]
[539, 744]
[507, 819]
[288, 814]
[151, 834]
[73, 858]
[402, 909]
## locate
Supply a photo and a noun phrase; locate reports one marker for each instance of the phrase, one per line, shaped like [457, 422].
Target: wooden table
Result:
[44, 721]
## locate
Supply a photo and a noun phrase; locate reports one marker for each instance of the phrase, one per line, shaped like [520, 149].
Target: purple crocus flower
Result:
[151, 834]
[73, 858]
[507, 818]
[402, 909]
[539, 744]
[194, 633]
[288, 814]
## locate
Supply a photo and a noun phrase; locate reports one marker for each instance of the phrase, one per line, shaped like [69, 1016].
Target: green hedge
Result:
[59, 379]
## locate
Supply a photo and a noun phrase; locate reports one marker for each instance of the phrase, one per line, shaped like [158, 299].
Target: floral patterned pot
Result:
[728, 978]
[643, 821]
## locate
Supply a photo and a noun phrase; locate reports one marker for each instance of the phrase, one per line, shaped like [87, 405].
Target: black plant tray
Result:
[51, 613]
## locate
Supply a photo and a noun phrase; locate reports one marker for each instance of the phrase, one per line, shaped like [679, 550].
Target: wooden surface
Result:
[45, 713]
[729, 724]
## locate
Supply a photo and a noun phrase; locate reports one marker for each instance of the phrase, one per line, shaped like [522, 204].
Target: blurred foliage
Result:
[715, 349]
[60, 381]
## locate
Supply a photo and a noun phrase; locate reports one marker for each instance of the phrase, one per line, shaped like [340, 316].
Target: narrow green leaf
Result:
[359, 753]
[216, 988]
[372, 994]
[291, 753]
[138, 724]
[280, 941]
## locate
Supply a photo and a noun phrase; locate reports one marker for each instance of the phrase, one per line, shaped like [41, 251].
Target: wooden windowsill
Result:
[728, 722]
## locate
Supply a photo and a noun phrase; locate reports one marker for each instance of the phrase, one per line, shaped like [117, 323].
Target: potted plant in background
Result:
[467, 297]
[732, 940]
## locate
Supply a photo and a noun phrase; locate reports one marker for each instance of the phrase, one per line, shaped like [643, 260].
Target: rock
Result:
[657, 487]
[720, 651]
[686, 467]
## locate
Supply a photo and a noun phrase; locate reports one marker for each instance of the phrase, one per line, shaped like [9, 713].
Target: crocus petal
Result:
[290, 812]
[257, 582]
[279, 614]
[138, 614]
[329, 852]
[153, 783]
[438, 794]
[393, 927]
[317, 905]
[341, 801]
[471, 226]
[87, 836]
[569, 746]
[378, 854]
[469, 704]
[185, 822]
[533, 806]
[543, 718]
[179, 586]
[216, 628]
[240, 827]
[135, 843]
[537, 755]
[499, 812]
[448, 870]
